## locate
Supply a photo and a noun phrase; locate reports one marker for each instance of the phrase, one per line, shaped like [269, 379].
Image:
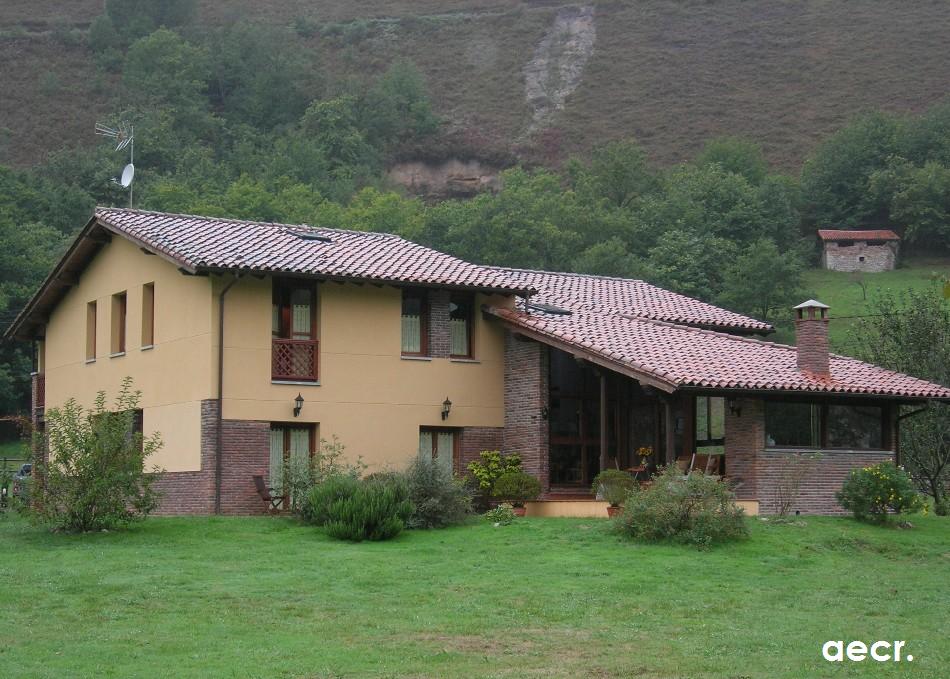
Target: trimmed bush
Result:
[502, 515]
[438, 498]
[376, 509]
[613, 485]
[697, 509]
[516, 487]
[873, 493]
[316, 509]
[490, 465]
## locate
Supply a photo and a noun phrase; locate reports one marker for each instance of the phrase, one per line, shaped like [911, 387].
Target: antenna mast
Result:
[124, 137]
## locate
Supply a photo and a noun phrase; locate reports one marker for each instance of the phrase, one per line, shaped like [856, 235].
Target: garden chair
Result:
[272, 502]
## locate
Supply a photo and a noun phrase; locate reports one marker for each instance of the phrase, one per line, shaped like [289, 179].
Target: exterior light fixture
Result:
[734, 407]
[298, 405]
[446, 408]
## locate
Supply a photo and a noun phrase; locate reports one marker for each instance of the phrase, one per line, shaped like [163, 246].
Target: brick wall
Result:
[526, 400]
[474, 440]
[811, 341]
[245, 453]
[440, 342]
[849, 258]
[817, 493]
[758, 473]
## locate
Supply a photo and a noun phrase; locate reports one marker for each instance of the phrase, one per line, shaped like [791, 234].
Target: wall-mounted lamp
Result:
[298, 405]
[734, 407]
[446, 408]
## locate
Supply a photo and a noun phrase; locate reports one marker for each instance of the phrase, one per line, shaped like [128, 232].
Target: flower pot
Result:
[519, 511]
[612, 511]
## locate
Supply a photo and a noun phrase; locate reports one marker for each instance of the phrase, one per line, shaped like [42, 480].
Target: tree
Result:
[609, 258]
[618, 173]
[762, 281]
[689, 264]
[397, 108]
[739, 156]
[910, 332]
[134, 18]
[96, 477]
[163, 69]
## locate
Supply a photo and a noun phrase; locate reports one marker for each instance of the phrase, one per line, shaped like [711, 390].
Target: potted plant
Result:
[645, 453]
[516, 487]
[613, 485]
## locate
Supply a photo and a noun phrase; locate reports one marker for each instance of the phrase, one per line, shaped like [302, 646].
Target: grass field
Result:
[229, 597]
[842, 293]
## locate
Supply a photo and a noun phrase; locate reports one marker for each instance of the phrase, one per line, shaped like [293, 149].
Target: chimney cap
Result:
[812, 304]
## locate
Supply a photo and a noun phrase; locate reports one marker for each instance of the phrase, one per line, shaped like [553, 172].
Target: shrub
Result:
[438, 498]
[316, 509]
[502, 515]
[873, 493]
[491, 465]
[516, 487]
[302, 475]
[96, 476]
[695, 509]
[374, 510]
[613, 485]
[942, 506]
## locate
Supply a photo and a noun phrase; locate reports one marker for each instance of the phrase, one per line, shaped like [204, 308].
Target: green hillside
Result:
[843, 293]
[672, 73]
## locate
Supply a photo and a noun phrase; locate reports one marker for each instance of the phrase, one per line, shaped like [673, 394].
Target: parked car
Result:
[25, 472]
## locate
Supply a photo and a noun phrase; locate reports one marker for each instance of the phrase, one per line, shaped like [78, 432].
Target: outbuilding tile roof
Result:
[208, 244]
[583, 292]
[683, 357]
[838, 234]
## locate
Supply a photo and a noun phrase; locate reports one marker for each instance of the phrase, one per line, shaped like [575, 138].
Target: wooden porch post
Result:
[603, 420]
[669, 454]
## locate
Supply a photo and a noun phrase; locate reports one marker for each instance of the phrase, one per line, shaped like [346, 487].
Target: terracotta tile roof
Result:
[216, 244]
[682, 357]
[838, 234]
[583, 292]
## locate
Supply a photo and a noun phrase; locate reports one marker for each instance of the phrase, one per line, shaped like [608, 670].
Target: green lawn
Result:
[229, 597]
[842, 293]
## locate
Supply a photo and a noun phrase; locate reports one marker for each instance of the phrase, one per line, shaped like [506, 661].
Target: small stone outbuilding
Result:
[870, 251]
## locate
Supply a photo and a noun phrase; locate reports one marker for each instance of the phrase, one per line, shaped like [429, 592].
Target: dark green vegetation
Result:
[671, 73]
[270, 597]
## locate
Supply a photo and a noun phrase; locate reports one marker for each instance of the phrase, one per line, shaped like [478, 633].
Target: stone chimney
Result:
[811, 337]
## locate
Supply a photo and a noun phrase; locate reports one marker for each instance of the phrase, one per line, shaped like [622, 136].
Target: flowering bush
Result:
[875, 492]
[490, 466]
[502, 515]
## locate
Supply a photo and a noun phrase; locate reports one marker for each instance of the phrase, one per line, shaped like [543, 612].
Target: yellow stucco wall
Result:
[368, 395]
[174, 376]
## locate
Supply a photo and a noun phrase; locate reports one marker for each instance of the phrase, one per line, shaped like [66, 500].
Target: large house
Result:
[251, 342]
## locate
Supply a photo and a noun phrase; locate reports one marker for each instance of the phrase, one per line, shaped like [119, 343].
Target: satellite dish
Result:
[127, 174]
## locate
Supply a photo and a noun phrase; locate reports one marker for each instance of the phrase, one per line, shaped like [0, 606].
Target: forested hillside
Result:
[537, 79]
[299, 112]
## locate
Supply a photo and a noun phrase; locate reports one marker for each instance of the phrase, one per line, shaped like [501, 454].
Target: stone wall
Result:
[860, 257]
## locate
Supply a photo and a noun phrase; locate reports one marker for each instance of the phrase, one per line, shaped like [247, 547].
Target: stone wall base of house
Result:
[245, 453]
[817, 492]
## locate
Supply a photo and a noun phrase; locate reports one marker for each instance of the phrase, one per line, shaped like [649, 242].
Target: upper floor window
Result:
[415, 323]
[294, 353]
[460, 325]
[91, 331]
[119, 308]
[148, 315]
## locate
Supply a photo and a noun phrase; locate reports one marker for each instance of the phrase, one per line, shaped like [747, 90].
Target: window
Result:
[877, 242]
[291, 451]
[460, 325]
[294, 331]
[118, 323]
[415, 323]
[845, 243]
[812, 425]
[710, 425]
[148, 315]
[91, 331]
[440, 445]
[855, 427]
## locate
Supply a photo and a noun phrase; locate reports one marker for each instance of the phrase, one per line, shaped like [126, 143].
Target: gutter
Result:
[219, 425]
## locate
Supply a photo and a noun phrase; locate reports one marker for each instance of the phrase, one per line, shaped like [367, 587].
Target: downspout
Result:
[219, 425]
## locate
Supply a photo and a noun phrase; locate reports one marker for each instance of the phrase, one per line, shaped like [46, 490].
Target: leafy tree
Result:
[762, 281]
[910, 332]
[397, 108]
[917, 197]
[689, 263]
[164, 69]
[334, 125]
[835, 177]
[96, 477]
[609, 258]
[135, 18]
[739, 156]
[618, 173]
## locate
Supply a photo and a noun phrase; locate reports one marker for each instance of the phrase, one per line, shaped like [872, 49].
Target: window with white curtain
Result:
[415, 323]
[440, 445]
[460, 325]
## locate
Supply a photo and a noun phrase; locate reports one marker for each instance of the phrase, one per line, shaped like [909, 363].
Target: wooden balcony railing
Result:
[39, 391]
[294, 360]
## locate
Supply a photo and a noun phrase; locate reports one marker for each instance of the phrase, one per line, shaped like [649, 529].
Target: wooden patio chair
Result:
[272, 502]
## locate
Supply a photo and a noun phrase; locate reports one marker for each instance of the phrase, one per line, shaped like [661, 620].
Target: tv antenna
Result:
[124, 137]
